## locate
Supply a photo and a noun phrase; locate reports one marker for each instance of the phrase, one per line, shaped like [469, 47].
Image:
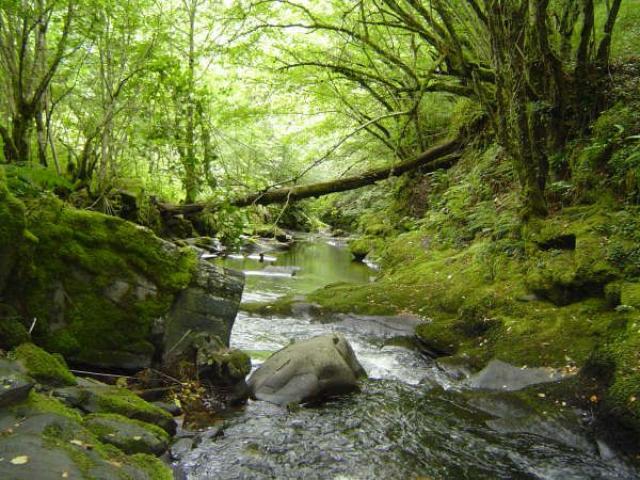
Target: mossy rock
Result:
[564, 276]
[56, 445]
[98, 285]
[100, 398]
[12, 229]
[130, 436]
[43, 366]
[37, 403]
[12, 330]
[362, 247]
[630, 294]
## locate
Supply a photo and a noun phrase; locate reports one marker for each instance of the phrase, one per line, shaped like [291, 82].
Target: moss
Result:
[12, 332]
[122, 401]
[106, 426]
[12, 227]
[630, 294]
[91, 455]
[622, 399]
[362, 247]
[154, 468]
[43, 366]
[41, 403]
[81, 257]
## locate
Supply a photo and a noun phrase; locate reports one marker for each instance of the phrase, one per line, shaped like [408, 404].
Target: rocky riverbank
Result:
[105, 296]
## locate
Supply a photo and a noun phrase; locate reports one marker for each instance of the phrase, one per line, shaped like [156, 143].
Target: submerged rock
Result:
[498, 375]
[309, 370]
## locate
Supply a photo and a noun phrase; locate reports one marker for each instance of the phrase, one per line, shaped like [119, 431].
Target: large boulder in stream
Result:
[107, 293]
[308, 370]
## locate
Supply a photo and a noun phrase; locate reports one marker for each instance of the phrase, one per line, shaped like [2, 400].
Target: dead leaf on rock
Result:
[20, 460]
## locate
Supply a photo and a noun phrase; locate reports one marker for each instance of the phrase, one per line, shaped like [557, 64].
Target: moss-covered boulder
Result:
[130, 436]
[92, 396]
[570, 263]
[12, 230]
[104, 290]
[360, 248]
[43, 366]
[12, 329]
[48, 441]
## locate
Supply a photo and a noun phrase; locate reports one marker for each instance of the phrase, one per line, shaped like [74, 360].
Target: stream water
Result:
[410, 421]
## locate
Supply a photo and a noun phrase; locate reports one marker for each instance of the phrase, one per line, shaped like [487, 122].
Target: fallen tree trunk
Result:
[443, 155]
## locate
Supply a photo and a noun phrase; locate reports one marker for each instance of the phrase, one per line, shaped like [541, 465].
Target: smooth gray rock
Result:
[499, 375]
[308, 370]
[181, 448]
[15, 385]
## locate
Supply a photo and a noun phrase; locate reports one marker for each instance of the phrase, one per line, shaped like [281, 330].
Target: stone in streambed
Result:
[498, 375]
[308, 370]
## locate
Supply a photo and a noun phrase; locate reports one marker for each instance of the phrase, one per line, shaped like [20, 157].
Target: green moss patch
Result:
[99, 283]
[42, 403]
[43, 366]
[123, 402]
[130, 436]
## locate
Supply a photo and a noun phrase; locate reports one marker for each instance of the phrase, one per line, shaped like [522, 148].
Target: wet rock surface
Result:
[15, 385]
[498, 375]
[308, 370]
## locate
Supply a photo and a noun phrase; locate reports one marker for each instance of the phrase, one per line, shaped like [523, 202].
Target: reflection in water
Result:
[409, 422]
[317, 263]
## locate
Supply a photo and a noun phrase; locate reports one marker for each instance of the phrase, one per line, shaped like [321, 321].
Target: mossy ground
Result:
[107, 426]
[552, 292]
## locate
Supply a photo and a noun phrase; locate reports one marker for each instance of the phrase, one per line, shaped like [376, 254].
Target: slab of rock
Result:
[499, 375]
[209, 305]
[130, 436]
[51, 446]
[92, 396]
[15, 385]
[308, 370]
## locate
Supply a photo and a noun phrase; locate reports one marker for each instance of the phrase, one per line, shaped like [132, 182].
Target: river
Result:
[410, 421]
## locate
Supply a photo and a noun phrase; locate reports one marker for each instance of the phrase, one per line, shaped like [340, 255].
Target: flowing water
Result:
[410, 421]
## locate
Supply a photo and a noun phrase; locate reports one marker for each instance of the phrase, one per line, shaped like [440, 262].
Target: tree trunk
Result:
[443, 155]
[21, 130]
[190, 167]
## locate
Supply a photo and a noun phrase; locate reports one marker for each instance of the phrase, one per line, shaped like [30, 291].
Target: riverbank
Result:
[559, 292]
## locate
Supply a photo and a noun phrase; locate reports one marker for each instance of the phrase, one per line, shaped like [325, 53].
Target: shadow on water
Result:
[409, 422]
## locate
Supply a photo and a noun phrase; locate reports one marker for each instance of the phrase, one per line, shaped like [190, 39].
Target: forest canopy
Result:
[203, 100]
